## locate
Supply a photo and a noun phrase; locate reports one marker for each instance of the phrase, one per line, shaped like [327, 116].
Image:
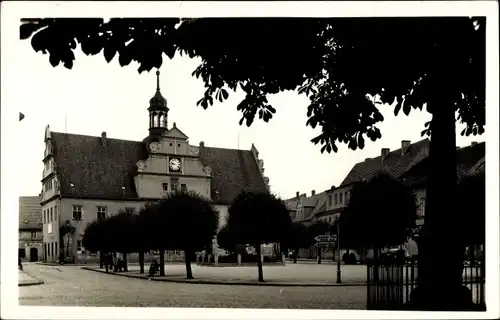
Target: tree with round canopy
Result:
[191, 221]
[257, 218]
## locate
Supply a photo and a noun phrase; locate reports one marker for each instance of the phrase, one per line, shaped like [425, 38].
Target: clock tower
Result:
[158, 111]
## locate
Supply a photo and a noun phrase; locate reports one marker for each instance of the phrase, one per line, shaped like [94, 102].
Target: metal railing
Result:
[389, 283]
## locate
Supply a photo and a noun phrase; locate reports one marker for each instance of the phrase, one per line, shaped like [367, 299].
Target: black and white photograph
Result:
[208, 160]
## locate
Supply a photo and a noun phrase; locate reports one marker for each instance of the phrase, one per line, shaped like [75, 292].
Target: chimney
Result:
[473, 143]
[313, 193]
[332, 187]
[202, 144]
[405, 144]
[297, 194]
[385, 153]
[103, 138]
[366, 159]
[303, 195]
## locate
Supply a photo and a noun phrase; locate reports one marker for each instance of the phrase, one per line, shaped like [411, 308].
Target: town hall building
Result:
[89, 177]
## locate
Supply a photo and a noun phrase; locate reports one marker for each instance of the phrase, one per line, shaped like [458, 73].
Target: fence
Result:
[389, 283]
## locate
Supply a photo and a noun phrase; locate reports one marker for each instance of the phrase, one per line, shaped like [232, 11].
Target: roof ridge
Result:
[220, 148]
[89, 136]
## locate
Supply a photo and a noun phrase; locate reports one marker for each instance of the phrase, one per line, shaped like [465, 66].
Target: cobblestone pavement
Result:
[72, 286]
[290, 274]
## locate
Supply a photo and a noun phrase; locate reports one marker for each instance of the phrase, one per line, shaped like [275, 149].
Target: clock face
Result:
[175, 164]
[154, 146]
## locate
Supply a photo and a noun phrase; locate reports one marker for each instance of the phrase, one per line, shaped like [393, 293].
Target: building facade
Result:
[88, 177]
[407, 164]
[30, 229]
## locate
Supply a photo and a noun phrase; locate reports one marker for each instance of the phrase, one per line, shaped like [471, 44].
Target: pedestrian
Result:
[19, 263]
[107, 261]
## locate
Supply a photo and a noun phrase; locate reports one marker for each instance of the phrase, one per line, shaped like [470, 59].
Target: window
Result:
[22, 253]
[330, 201]
[335, 200]
[77, 213]
[340, 198]
[48, 185]
[55, 213]
[57, 252]
[174, 183]
[183, 187]
[101, 212]
[33, 235]
[165, 186]
[49, 228]
[51, 216]
[421, 207]
[79, 246]
[43, 219]
[52, 248]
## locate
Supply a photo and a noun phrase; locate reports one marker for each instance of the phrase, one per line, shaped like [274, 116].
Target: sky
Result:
[96, 96]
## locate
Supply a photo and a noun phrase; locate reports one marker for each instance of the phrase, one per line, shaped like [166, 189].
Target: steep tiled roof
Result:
[101, 172]
[96, 170]
[30, 213]
[232, 172]
[467, 158]
[320, 205]
[394, 164]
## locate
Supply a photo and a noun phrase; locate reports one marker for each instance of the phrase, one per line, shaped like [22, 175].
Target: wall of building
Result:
[337, 197]
[151, 186]
[89, 214]
[31, 240]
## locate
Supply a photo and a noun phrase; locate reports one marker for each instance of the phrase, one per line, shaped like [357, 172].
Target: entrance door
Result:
[33, 254]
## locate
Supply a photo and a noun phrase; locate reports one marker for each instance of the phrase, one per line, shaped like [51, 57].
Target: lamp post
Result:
[338, 250]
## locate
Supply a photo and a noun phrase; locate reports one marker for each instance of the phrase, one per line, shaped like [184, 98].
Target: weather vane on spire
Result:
[158, 80]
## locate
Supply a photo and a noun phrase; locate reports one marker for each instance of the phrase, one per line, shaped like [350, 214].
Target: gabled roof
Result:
[98, 171]
[30, 213]
[479, 166]
[395, 164]
[467, 158]
[232, 172]
[175, 132]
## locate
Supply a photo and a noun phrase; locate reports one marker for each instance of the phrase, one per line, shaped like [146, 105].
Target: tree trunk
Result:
[319, 255]
[440, 254]
[296, 254]
[125, 264]
[259, 263]
[101, 259]
[141, 262]
[376, 259]
[162, 262]
[187, 261]
[67, 246]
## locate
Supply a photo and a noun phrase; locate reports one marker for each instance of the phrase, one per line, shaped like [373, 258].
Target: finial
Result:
[158, 80]
[175, 126]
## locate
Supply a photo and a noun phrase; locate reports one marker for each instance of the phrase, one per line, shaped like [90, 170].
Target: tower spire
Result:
[157, 80]
[158, 110]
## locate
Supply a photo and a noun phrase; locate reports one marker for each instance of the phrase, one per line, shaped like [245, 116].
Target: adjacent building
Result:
[30, 229]
[407, 164]
[89, 177]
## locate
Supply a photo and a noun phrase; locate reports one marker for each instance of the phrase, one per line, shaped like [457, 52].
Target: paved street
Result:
[72, 286]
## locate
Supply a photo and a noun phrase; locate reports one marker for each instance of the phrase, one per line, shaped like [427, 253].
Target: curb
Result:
[34, 282]
[242, 283]
[31, 283]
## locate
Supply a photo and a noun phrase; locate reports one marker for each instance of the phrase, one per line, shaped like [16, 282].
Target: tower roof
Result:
[158, 102]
